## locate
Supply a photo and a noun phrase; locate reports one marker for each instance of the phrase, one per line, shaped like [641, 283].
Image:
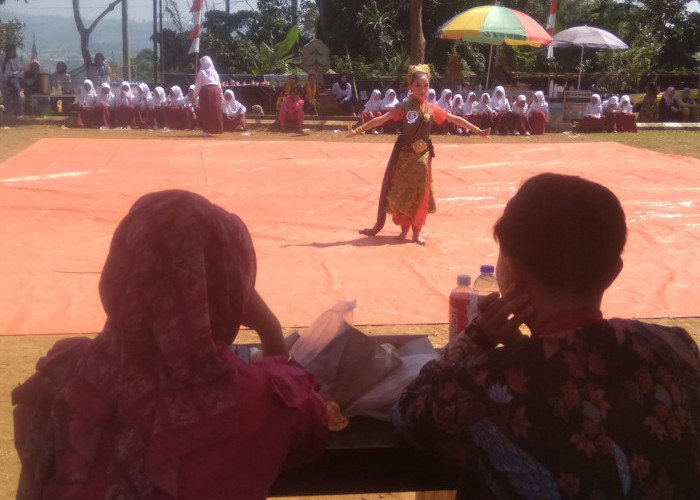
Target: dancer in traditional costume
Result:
[407, 186]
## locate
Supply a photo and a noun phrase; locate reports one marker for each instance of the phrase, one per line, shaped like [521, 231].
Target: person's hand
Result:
[351, 132]
[500, 317]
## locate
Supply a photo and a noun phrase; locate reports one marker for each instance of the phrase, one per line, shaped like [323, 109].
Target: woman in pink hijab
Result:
[158, 406]
[208, 88]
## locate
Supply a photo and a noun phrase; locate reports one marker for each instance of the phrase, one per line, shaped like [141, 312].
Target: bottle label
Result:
[459, 307]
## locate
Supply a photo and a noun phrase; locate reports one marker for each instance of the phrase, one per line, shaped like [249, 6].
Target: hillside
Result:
[57, 38]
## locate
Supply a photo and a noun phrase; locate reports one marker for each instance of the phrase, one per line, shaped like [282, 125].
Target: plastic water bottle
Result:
[483, 285]
[460, 299]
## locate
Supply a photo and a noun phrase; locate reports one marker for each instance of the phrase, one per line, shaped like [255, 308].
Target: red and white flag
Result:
[196, 11]
[551, 20]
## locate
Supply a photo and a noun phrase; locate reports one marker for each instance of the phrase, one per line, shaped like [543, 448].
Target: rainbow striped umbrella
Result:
[495, 25]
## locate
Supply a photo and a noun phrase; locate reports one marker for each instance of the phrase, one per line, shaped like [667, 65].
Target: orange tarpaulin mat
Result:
[303, 202]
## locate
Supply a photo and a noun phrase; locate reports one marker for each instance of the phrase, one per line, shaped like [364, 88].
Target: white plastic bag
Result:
[345, 361]
[379, 400]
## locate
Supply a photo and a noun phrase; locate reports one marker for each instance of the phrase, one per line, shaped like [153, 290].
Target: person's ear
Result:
[615, 272]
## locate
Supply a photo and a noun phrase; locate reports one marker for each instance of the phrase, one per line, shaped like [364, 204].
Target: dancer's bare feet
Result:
[417, 239]
[402, 235]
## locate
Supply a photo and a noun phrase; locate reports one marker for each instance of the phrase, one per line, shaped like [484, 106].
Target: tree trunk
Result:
[417, 38]
[85, 32]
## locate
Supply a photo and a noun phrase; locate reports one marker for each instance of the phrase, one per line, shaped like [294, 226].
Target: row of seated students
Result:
[494, 111]
[142, 109]
[613, 115]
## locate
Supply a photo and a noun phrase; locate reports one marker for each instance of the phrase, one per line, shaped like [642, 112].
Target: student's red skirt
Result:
[143, 117]
[123, 115]
[593, 124]
[626, 122]
[86, 116]
[159, 118]
[235, 123]
[518, 121]
[178, 117]
[502, 122]
[610, 122]
[210, 114]
[103, 115]
[368, 115]
[538, 122]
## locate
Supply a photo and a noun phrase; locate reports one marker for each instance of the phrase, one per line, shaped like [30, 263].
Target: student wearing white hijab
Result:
[373, 107]
[538, 113]
[458, 110]
[208, 88]
[143, 107]
[519, 124]
[500, 105]
[593, 119]
[469, 104]
[177, 116]
[86, 104]
[104, 106]
[610, 109]
[390, 101]
[192, 104]
[431, 97]
[160, 103]
[124, 106]
[444, 102]
[626, 119]
[483, 115]
[234, 113]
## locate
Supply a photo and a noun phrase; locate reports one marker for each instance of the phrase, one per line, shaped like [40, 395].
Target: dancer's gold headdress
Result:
[423, 68]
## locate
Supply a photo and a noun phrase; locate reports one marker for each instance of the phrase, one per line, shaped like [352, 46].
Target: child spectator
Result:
[610, 113]
[310, 94]
[484, 115]
[292, 110]
[445, 102]
[538, 113]
[286, 89]
[124, 106]
[176, 113]
[626, 119]
[373, 107]
[519, 124]
[143, 107]
[160, 104]
[390, 100]
[104, 107]
[593, 119]
[234, 113]
[86, 104]
[501, 108]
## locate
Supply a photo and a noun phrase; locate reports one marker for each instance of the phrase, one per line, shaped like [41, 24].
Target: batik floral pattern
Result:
[611, 410]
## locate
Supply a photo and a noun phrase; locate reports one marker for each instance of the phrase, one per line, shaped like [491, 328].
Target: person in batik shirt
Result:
[581, 408]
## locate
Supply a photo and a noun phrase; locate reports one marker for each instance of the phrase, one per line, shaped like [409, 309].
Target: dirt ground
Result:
[19, 354]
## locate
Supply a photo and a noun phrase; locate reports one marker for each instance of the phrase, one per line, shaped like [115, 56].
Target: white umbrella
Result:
[587, 37]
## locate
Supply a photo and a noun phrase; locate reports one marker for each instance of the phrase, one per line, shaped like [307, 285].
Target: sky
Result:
[139, 10]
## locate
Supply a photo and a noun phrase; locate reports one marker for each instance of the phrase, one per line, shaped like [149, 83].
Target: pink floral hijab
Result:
[156, 382]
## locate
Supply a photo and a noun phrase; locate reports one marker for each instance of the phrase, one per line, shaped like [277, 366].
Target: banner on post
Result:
[194, 35]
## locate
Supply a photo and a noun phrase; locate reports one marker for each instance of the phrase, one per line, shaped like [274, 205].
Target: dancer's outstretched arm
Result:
[462, 123]
[375, 122]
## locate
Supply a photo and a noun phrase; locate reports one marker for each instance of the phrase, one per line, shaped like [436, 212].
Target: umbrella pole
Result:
[488, 71]
[580, 69]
